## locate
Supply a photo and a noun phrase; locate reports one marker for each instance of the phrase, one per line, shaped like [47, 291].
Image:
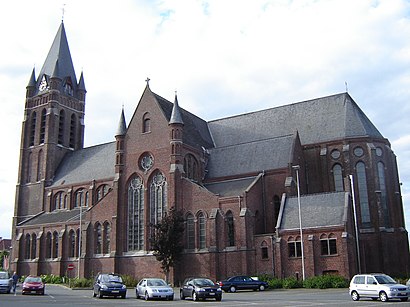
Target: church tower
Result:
[53, 125]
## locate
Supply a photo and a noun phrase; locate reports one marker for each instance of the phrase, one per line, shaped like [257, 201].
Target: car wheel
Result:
[195, 296]
[232, 289]
[146, 296]
[181, 295]
[100, 295]
[404, 299]
[355, 296]
[261, 288]
[383, 296]
[218, 298]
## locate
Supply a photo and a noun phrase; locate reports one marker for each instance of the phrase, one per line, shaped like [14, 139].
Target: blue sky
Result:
[224, 57]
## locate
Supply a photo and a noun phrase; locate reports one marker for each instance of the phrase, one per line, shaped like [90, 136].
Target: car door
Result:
[187, 288]
[97, 284]
[249, 283]
[372, 287]
[141, 287]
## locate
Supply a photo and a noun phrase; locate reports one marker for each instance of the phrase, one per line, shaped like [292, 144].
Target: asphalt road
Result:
[57, 296]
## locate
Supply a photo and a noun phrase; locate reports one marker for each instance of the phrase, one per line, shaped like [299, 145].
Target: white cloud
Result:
[223, 56]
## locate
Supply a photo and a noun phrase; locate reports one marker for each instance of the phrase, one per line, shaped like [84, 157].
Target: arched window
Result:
[61, 125]
[55, 244]
[190, 231]
[328, 245]
[102, 191]
[43, 126]
[383, 194]
[71, 242]
[264, 250]
[81, 198]
[98, 238]
[338, 178]
[58, 201]
[202, 230]
[362, 189]
[40, 165]
[107, 238]
[146, 123]
[29, 166]
[27, 247]
[33, 246]
[191, 167]
[33, 128]
[49, 245]
[294, 247]
[136, 214]
[230, 229]
[158, 197]
[73, 130]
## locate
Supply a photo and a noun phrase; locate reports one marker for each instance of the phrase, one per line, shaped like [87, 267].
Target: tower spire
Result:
[176, 117]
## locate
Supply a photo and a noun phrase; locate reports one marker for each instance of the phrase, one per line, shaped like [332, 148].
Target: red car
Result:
[33, 284]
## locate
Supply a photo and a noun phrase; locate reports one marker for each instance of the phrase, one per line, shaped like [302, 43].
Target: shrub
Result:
[274, 282]
[326, 281]
[81, 283]
[291, 283]
[129, 281]
[52, 279]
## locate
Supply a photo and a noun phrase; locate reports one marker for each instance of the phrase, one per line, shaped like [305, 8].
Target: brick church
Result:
[239, 182]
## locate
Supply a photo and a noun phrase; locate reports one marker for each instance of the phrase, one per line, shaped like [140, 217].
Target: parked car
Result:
[109, 285]
[234, 283]
[200, 288]
[33, 284]
[5, 282]
[377, 286]
[151, 288]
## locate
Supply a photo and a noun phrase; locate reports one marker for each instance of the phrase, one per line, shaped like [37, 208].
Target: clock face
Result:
[43, 84]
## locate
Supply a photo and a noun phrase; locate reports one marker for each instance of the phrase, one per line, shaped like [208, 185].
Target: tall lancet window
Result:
[363, 195]
[43, 126]
[158, 197]
[135, 214]
[383, 194]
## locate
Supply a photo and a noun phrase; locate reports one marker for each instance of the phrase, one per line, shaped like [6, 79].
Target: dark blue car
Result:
[234, 283]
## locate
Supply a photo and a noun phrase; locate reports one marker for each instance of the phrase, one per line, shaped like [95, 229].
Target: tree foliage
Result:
[166, 241]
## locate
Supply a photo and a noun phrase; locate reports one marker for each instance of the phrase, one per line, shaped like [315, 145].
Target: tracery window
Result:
[43, 126]
[190, 231]
[107, 238]
[49, 245]
[202, 230]
[328, 245]
[59, 201]
[33, 128]
[71, 242]
[294, 247]
[158, 197]
[102, 191]
[40, 165]
[33, 246]
[98, 238]
[81, 198]
[136, 214]
[55, 244]
[383, 194]
[27, 247]
[230, 227]
[73, 130]
[191, 167]
[61, 125]
[338, 177]
[363, 195]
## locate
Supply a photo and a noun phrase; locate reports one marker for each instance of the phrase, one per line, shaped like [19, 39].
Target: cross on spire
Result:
[147, 80]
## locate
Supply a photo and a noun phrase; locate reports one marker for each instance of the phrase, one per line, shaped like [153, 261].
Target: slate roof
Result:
[317, 210]
[54, 217]
[85, 165]
[231, 188]
[196, 132]
[250, 157]
[319, 120]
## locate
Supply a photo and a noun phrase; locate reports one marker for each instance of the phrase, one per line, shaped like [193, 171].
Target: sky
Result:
[223, 57]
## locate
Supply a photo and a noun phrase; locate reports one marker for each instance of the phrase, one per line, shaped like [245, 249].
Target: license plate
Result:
[211, 293]
[115, 291]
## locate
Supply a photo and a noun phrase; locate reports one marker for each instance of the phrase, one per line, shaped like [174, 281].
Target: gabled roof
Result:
[85, 165]
[319, 120]
[250, 157]
[317, 210]
[59, 60]
[59, 216]
[229, 188]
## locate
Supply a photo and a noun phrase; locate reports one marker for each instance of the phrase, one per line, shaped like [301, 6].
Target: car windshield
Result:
[385, 279]
[33, 279]
[4, 275]
[202, 282]
[111, 278]
[156, 283]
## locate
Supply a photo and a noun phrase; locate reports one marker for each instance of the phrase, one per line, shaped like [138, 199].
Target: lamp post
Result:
[80, 233]
[355, 224]
[297, 167]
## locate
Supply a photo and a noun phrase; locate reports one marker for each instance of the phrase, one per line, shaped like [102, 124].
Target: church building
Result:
[304, 189]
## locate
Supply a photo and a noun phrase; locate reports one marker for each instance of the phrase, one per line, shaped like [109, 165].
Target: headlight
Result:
[154, 290]
[201, 289]
[219, 289]
[124, 286]
[394, 290]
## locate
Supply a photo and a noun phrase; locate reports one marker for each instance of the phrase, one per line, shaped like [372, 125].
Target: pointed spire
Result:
[81, 83]
[56, 71]
[122, 125]
[176, 117]
[60, 52]
[32, 81]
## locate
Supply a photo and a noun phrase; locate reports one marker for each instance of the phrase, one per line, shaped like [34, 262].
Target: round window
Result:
[358, 152]
[147, 162]
[335, 154]
[379, 152]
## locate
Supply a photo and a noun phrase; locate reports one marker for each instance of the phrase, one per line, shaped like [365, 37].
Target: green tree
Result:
[166, 242]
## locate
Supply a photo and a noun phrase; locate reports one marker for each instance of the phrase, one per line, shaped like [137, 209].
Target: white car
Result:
[376, 286]
[154, 288]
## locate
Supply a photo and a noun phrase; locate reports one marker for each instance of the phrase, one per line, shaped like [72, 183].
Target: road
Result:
[57, 296]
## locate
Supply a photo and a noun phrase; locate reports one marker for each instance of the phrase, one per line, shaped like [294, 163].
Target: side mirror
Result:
[374, 283]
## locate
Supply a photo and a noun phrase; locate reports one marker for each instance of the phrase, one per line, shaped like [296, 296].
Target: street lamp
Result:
[297, 167]
[355, 224]
[79, 232]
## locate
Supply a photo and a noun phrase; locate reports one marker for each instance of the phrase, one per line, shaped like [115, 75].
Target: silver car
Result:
[154, 288]
[376, 286]
[5, 282]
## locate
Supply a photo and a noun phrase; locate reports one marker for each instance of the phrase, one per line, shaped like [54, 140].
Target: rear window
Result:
[4, 275]
[359, 280]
